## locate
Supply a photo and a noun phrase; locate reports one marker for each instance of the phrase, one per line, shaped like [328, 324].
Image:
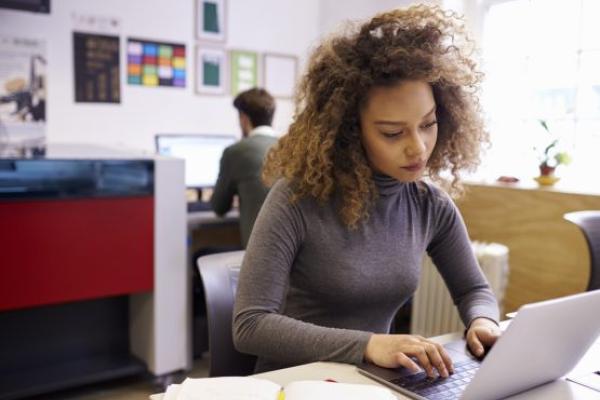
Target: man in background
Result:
[241, 163]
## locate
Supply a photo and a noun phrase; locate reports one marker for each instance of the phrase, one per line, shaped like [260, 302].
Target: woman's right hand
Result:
[393, 351]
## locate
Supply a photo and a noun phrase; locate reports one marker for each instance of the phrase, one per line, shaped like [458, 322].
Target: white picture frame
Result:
[211, 20]
[244, 66]
[211, 71]
[280, 72]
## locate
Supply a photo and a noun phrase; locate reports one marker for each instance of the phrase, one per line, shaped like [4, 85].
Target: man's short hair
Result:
[257, 104]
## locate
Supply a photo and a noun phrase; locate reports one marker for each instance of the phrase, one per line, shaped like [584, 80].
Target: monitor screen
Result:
[202, 155]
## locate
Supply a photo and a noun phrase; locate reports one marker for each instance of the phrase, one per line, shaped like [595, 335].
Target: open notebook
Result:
[247, 388]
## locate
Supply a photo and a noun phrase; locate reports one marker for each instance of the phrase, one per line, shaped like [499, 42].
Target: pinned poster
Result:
[23, 83]
[151, 63]
[96, 59]
[244, 70]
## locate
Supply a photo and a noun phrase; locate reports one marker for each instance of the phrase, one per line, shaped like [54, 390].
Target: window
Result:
[541, 59]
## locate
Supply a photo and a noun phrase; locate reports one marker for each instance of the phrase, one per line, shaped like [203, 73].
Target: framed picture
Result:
[151, 63]
[211, 70]
[244, 70]
[211, 20]
[39, 6]
[97, 61]
[279, 74]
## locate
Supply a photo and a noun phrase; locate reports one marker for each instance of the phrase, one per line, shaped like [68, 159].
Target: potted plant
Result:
[550, 158]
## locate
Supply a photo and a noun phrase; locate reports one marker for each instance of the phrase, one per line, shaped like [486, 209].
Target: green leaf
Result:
[563, 158]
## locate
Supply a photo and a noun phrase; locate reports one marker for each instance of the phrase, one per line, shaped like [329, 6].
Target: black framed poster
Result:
[97, 64]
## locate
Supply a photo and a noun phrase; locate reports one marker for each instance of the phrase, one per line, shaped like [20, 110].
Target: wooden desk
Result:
[548, 256]
[206, 229]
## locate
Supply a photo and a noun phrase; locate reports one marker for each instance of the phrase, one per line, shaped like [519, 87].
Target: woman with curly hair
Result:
[337, 247]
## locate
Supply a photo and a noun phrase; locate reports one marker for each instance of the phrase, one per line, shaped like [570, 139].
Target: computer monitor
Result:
[202, 155]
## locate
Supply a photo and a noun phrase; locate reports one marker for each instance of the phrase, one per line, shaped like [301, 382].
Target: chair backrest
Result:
[589, 223]
[219, 273]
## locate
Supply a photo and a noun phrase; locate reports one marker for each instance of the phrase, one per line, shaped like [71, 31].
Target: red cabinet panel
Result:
[54, 251]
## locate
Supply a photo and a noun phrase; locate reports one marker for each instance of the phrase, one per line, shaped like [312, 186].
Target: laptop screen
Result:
[202, 155]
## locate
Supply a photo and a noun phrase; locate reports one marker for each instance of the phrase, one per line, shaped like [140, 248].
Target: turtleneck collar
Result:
[386, 184]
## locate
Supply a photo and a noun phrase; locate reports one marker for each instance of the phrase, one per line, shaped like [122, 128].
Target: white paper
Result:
[321, 390]
[228, 388]
[246, 62]
[172, 392]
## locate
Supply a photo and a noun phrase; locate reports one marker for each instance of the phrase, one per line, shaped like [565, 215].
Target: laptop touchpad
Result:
[458, 351]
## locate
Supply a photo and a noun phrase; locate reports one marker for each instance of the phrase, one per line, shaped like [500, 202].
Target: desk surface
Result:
[205, 218]
[558, 390]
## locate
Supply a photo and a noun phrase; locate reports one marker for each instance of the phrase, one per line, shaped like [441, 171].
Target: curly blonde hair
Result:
[322, 154]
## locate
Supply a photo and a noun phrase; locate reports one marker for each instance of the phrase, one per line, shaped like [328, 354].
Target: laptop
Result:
[542, 343]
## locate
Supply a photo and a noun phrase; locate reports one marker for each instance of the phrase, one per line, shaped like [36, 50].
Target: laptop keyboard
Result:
[440, 388]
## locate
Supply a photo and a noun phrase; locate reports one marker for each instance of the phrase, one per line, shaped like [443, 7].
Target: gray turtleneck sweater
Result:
[310, 289]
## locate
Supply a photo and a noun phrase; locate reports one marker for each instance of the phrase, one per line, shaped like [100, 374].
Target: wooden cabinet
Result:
[548, 255]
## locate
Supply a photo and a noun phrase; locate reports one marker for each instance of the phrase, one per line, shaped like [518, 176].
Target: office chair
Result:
[219, 273]
[589, 223]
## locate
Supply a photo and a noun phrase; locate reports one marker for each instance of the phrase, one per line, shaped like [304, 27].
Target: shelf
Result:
[31, 382]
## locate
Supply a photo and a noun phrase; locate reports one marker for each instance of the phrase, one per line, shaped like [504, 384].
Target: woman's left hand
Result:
[482, 334]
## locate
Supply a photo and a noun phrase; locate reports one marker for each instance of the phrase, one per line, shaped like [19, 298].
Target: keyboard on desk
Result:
[440, 388]
[199, 206]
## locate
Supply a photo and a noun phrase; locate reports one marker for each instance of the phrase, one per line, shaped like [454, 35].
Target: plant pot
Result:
[547, 177]
[546, 170]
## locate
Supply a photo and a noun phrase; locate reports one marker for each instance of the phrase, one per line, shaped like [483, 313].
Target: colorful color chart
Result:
[155, 63]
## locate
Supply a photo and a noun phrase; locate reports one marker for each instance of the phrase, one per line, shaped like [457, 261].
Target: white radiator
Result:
[433, 312]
